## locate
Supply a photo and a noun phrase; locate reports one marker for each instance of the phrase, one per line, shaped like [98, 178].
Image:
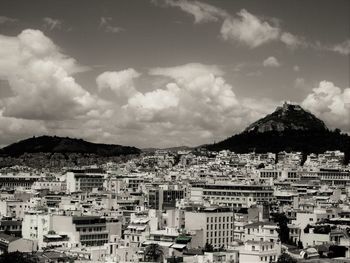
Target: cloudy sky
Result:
[160, 73]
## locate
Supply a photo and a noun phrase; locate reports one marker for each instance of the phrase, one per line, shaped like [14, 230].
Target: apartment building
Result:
[261, 231]
[235, 195]
[215, 222]
[164, 198]
[71, 230]
[85, 180]
[259, 251]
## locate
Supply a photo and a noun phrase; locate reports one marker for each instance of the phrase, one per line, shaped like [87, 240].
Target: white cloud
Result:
[291, 40]
[249, 30]
[52, 23]
[195, 106]
[201, 12]
[192, 104]
[271, 62]
[121, 82]
[106, 25]
[331, 104]
[11, 129]
[6, 19]
[40, 78]
[342, 48]
[296, 68]
[156, 100]
[188, 72]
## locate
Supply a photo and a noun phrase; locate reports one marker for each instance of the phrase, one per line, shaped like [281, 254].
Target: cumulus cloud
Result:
[12, 129]
[201, 12]
[52, 23]
[271, 62]
[121, 82]
[107, 26]
[193, 105]
[331, 104]
[40, 78]
[195, 89]
[155, 100]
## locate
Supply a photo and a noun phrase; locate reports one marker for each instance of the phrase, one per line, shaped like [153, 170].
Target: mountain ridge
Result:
[56, 144]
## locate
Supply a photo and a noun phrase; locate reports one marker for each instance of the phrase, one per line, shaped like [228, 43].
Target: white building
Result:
[216, 223]
[85, 180]
[259, 251]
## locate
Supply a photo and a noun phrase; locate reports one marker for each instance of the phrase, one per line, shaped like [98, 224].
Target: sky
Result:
[163, 73]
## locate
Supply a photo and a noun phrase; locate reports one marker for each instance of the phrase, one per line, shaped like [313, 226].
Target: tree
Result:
[307, 229]
[283, 230]
[208, 247]
[300, 245]
[153, 252]
[286, 258]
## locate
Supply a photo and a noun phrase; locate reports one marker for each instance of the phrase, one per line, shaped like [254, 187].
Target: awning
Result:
[178, 246]
[160, 243]
[52, 236]
[184, 239]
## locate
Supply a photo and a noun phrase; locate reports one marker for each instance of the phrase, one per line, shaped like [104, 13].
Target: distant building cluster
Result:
[180, 206]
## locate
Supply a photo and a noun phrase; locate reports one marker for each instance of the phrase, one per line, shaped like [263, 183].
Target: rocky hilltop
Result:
[288, 117]
[288, 128]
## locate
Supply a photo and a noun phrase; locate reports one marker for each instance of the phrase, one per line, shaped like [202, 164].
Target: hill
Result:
[286, 118]
[54, 144]
[288, 128]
